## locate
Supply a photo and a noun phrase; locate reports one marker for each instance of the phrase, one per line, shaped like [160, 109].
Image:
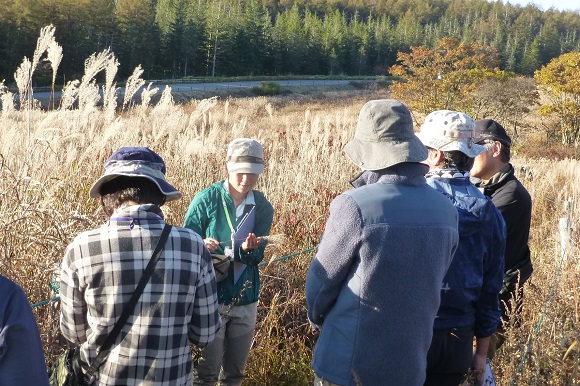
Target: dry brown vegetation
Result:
[46, 176]
[49, 159]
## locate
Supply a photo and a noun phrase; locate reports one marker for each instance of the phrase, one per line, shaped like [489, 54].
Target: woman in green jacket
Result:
[232, 218]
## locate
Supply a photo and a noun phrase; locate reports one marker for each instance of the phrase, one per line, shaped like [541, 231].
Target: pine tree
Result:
[138, 42]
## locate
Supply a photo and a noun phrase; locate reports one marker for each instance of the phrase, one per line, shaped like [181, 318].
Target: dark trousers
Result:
[449, 356]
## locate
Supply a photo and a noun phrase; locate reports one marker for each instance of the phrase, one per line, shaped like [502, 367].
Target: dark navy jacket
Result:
[21, 355]
[469, 295]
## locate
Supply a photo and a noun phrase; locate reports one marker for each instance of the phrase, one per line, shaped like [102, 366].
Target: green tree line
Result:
[180, 38]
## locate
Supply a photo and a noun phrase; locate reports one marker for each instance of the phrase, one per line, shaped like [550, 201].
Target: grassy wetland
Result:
[50, 158]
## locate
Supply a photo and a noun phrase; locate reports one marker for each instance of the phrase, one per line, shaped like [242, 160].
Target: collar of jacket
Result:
[499, 176]
[140, 211]
[407, 172]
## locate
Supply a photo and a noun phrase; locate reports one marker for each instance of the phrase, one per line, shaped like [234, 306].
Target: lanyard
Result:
[227, 213]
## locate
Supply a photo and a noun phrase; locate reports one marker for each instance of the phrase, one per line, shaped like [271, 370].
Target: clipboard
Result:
[245, 227]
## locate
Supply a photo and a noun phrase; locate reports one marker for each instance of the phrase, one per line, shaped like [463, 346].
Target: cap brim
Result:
[372, 155]
[447, 144]
[483, 137]
[167, 189]
[245, 167]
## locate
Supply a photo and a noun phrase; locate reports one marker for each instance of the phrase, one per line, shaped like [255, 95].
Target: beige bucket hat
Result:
[384, 136]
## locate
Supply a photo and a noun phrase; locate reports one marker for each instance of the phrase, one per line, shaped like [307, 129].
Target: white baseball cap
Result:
[245, 155]
[448, 130]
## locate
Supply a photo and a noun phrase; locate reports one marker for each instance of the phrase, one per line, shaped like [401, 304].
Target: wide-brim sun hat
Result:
[245, 155]
[447, 130]
[136, 162]
[384, 136]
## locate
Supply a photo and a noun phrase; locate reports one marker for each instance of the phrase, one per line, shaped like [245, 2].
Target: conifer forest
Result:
[188, 38]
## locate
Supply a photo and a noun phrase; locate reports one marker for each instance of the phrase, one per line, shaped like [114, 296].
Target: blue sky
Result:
[546, 4]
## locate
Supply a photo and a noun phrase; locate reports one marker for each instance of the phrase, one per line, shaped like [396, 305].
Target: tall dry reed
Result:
[49, 159]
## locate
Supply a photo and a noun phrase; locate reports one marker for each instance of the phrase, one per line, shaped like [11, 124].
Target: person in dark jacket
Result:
[469, 295]
[373, 288]
[21, 355]
[495, 176]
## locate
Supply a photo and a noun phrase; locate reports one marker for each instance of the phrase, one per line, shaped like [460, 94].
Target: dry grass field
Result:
[49, 159]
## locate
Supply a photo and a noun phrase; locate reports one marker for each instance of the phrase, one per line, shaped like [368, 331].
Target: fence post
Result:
[565, 227]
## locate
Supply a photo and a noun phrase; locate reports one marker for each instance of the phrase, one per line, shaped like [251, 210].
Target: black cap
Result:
[490, 129]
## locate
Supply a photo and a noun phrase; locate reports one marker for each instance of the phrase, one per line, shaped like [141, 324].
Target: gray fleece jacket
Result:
[374, 284]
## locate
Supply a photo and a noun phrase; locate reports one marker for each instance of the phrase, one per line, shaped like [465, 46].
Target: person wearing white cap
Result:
[469, 294]
[373, 288]
[103, 266]
[233, 217]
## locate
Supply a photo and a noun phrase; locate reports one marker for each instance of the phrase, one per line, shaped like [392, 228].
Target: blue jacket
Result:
[374, 284]
[469, 296]
[21, 355]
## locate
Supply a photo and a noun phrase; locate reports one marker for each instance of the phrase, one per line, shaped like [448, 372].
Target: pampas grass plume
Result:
[134, 83]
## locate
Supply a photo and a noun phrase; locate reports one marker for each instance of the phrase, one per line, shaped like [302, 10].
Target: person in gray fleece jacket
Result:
[373, 288]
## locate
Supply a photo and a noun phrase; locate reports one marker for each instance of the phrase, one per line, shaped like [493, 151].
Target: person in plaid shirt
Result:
[101, 269]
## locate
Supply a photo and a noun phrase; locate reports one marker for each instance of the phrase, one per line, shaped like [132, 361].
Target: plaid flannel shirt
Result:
[100, 271]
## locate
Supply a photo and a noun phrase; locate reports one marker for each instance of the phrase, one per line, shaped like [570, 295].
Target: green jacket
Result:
[206, 217]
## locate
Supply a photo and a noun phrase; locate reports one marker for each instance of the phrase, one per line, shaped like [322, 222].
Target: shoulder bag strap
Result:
[129, 307]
